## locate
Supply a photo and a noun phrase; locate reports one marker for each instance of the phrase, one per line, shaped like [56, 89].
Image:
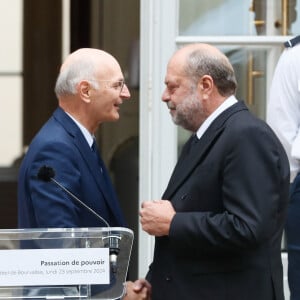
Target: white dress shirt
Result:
[226, 104]
[283, 108]
[87, 135]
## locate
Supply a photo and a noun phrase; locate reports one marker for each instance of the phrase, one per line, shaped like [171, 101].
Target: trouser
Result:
[293, 239]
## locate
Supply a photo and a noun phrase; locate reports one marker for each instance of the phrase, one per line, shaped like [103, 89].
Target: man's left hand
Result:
[156, 217]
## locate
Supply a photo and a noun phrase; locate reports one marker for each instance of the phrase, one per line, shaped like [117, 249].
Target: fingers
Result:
[138, 290]
[140, 284]
[156, 217]
[146, 204]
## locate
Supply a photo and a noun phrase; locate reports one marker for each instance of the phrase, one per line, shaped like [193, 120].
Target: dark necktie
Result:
[95, 151]
[194, 140]
[113, 199]
[187, 149]
[183, 160]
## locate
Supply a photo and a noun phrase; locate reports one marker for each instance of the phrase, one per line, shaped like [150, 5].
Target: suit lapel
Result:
[102, 180]
[188, 162]
[101, 177]
[186, 165]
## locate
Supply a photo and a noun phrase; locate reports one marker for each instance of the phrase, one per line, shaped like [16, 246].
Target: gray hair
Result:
[72, 74]
[200, 63]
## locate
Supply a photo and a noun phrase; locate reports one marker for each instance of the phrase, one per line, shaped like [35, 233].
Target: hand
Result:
[138, 290]
[156, 217]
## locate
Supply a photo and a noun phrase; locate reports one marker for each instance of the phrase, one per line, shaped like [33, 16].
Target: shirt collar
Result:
[226, 104]
[87, 135]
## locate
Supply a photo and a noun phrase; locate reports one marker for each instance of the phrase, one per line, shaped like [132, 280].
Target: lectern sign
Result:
[37, 267]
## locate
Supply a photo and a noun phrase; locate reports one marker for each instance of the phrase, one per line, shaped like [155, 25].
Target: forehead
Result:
[109, 69]
[175, 73]
[175, 67]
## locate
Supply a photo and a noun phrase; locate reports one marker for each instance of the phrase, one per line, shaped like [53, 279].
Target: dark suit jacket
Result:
[230, 194]
[61, 145]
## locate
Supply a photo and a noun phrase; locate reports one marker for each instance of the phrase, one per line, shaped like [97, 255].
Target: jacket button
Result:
[168, 278]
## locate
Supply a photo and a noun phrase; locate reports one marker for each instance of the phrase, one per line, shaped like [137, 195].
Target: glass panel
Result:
[294, 17]
[250, 69]
[276, 17]
[236, 17]
[213, 17]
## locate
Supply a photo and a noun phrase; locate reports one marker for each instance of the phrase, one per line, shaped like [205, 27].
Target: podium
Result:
[64, 263]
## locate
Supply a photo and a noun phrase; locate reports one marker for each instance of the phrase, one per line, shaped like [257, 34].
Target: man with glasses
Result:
[90, 89]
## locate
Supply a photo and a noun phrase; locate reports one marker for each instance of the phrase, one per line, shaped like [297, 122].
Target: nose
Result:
[165, 97]
[125, 94]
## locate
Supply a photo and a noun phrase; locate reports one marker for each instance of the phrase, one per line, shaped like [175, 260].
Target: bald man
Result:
[218, 226]
[90, 89]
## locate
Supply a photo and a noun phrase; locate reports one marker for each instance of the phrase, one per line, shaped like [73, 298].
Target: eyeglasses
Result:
[117, 85]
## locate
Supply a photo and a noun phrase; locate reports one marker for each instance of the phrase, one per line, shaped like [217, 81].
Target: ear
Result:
[205, 85]
[84, 88]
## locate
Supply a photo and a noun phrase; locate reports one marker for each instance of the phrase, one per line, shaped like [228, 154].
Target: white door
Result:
[251, 33]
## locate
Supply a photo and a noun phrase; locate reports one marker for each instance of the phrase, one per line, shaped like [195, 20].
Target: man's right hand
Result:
[138, 290]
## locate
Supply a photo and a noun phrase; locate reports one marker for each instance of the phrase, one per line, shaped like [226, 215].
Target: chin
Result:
[115, 118]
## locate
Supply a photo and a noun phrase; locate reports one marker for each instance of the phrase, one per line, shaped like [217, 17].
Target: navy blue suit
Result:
[61, 145]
